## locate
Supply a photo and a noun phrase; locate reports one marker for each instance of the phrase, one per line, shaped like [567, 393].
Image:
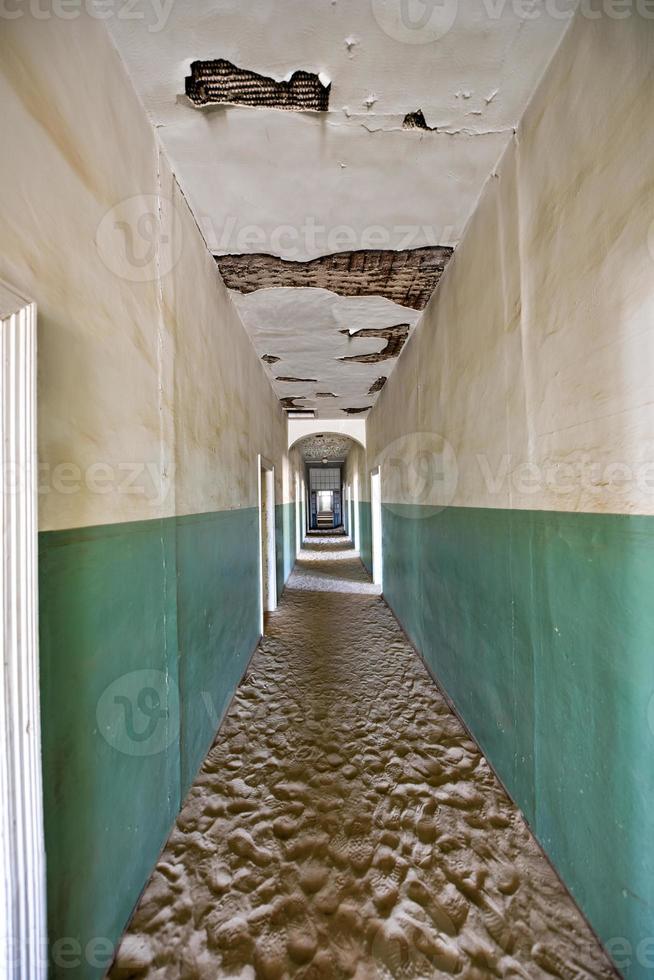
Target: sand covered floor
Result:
[344, 825]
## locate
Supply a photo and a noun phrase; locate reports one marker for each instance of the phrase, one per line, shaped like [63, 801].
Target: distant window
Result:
[325, 479]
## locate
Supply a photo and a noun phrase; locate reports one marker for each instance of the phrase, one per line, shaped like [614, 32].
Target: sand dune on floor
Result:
[345, 825]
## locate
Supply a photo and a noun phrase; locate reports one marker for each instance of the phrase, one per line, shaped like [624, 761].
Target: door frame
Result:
[22, 847]
[298, 515]
[356, 514]
[266, 481]
[376, 526]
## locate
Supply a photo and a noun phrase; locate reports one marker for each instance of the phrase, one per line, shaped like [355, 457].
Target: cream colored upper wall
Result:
[355, 472]
[225, 412]
[152, 400]
[528, 382]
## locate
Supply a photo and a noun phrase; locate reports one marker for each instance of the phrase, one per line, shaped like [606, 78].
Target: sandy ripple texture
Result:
[344, 824]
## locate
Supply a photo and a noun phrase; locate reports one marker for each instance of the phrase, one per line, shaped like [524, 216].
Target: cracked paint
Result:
[313, 330]
[395, 338]
[341, 202]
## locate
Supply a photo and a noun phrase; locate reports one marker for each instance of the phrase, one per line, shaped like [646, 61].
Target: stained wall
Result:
[153, 408]
[515, 440]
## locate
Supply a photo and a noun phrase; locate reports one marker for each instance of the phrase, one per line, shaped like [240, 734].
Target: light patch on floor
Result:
[345, 825]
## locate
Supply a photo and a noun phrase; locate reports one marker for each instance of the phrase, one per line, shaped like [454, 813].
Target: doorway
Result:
[298, 515]
[376, 519]
[325, 509]
[325, 497]
[356, 516]
[267, 555]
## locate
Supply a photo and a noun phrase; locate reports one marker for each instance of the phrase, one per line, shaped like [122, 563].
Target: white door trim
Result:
[266, 471]
[22, 850]
[376, 522]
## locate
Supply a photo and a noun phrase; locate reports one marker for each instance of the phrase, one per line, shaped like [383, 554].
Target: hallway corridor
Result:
[344, 824]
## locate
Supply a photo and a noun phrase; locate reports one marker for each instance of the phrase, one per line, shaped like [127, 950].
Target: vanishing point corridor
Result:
[327, 417]
[345, 825]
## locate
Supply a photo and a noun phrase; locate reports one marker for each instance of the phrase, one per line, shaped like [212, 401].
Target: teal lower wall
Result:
[217, 621]
[365, 534]
[145, 631]
[539, 626]
[285, 542]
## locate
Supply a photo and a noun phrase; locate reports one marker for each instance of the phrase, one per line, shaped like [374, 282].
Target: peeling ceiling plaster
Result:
[310, 331]
[247, 173]
[301, 185]
[333, 448]
[407, 277]
[219, 82]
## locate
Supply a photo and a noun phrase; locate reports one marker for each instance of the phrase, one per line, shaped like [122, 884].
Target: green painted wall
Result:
[365, 534]
[285, 542]
[165, 611]
[217, 621]
[107, 609]
[539, 625]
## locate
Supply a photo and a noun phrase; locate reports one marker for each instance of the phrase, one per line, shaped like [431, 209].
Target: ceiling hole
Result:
[289, 403]
[395, 338]
[377, 385]
[407, 277]
[416, 120]
[218, 82]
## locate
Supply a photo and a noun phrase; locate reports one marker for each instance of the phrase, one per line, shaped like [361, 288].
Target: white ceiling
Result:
[298, 185]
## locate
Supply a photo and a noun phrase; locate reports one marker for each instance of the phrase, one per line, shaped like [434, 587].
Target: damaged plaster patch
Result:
[287, 379]
[395, 338]
[221, 82]
[289, 403]
[269, 358]
[319, 447]
[377, 385]
[407, 277]
[310, 330]
[357, 411]
[416, 120]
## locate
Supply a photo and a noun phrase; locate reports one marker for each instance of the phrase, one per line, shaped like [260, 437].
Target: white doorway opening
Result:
[267, 554]
[304, 513]
[376, 518]
[356, 535]
[298, 515]
[22, 850]
[347, 524]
